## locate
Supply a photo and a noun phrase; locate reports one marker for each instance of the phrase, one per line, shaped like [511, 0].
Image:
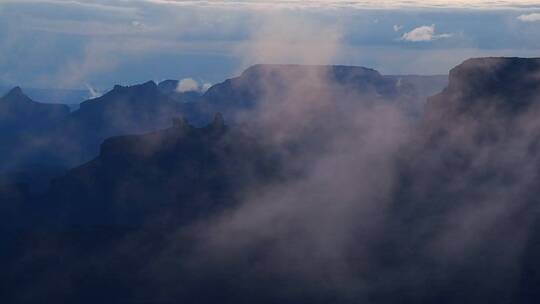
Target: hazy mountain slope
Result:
[470, 186]
[260, 83]
[76, 136]
[338, 210]
[148, 107]
[180, 171]
[24, 129]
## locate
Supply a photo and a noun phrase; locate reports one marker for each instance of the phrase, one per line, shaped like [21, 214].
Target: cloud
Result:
[534, 17]
[332, 4]
[192, 85]
[187, 85]
[423, 33]
[92, 91]
[284, 38]
[398, 28]
[205, 86]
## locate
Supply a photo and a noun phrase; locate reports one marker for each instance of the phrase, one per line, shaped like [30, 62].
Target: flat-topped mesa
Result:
[260, 81]
[509, 83]
[334, 74]
[333, 69]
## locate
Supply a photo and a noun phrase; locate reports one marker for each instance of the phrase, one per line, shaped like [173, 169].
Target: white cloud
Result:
[192, 85]
[534, 17]
[423, 33]
[205, 87]
[92, 92]
[398, 28]
[187, 85]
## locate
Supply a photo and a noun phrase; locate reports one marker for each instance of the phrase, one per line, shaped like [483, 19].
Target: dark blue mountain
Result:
[179, 173]
[71, 97]
[463, 210]
[25, 127]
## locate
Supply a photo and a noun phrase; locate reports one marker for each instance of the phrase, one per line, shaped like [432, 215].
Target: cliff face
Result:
[508, 84]
[472, 173]
[180, 173]
[484, 120]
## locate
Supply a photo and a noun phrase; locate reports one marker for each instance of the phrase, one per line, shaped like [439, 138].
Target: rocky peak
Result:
[16, 91]
[15, 95]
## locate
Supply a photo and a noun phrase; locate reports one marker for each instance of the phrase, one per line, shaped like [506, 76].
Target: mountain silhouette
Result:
[180, 171]
[265, 82]
[71, 97]
[55, 138]
[471, 175]
[462, 209]
[18, 111]
[24, 129]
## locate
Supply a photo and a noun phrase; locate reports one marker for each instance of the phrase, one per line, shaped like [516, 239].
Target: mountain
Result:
[147, 107]
[70, 97]
[123, 110]
[470, 184]
[141, 188]
[170, 88]
[258, 82]
[223, 214]
[24, 129]
[181, 171]
[509, 83]
[131, 109]
[49, 135]
[19, 111]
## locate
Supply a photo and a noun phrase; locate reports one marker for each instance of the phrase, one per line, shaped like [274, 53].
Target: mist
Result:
[298, 180]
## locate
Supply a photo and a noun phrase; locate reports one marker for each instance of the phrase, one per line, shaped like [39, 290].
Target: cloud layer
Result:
[357, 4]
[108, 42]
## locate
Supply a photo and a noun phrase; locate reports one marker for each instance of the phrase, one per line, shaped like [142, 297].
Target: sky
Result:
[96, 44]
